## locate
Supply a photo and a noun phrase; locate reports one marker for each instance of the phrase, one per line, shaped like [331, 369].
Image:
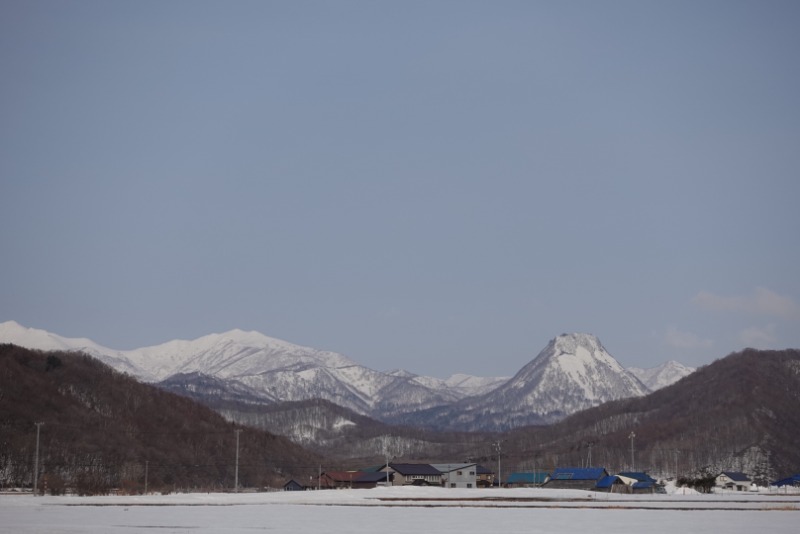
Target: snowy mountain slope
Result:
[662, 376]
[474, 385]
[273, 368]
[572, 373]
[13, 332]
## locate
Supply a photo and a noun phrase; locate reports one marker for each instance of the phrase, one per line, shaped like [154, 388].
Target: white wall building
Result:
[458, 475]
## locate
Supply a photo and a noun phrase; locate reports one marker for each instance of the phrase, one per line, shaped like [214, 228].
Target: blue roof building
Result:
[788, 481]
[585, 478]
[638, 476]
[610, 483]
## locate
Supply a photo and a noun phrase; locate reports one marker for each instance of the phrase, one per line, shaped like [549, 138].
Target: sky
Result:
[437, 186]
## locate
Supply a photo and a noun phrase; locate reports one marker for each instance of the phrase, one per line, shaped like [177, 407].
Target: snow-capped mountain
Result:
[32, 338]
[572, 373]
[257, 365]
[662, 376]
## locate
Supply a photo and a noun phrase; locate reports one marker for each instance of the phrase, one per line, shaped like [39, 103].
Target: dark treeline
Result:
[102, 429]
[741, 413]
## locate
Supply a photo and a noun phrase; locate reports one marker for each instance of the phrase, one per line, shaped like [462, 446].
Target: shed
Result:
[584, 478]
[338, 479]
[639, 476]
[612, 484]
[643, 483]
[293, 485]
[793, 480]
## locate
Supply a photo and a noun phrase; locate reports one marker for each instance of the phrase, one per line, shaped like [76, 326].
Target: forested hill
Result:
[740, 413]
[102, 429]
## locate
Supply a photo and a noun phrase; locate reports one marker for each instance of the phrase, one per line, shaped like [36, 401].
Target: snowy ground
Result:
[401, 510]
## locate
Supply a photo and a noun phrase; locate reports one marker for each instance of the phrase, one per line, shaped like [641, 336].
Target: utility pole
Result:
[499, 472]
[386, 453]
[590, 444]
[146, 466]
[36, 461]
[236, 472]
[631, 438]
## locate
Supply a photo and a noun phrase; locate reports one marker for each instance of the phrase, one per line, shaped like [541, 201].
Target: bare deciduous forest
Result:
[102, 430]
[740, 413]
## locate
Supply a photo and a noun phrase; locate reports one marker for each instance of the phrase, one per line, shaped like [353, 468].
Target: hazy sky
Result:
[436, 186]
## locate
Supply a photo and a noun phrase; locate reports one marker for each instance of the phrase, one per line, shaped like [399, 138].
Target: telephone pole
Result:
[499, 472]
[631, 438]
[236, 472]
[36, 461]
[146, 466]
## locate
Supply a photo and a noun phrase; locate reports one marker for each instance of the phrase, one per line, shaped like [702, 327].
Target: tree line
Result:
[101, 430]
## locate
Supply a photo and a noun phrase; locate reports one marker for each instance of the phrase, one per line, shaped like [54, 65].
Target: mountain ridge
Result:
[279, 371]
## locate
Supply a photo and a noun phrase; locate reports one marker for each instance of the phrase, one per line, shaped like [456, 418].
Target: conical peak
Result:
[569, 343]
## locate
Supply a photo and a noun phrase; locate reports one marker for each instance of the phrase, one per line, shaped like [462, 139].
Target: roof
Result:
[607, 482]
[373, 468]
[645, 484]
[736, 476]
[372, 476]
[447, 468]
[415, 469]
[788, 481]
[527, 478]
[578, 473]
[342, 476]
[479, 469]
[638, 475]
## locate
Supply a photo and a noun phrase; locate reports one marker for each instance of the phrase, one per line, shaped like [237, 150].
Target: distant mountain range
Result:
[738, 413]
[572, 373]
[662, 376]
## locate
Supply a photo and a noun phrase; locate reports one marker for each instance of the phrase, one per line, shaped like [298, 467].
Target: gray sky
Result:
[436, 186]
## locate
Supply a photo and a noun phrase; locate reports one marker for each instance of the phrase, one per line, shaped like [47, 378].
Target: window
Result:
[469, 485]
[460, 473]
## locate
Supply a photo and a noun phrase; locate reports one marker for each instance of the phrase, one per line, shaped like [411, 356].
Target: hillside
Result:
[347, 437]
[102, 429]
[739, 413]
[573, 372]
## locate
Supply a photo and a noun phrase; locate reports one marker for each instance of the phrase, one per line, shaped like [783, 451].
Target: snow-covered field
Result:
[402, 510]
